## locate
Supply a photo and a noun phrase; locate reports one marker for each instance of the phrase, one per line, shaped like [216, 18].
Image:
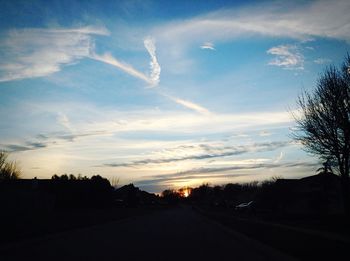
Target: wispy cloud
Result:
[208, 45]
[155, 67]
[277, 19]
[190, 175]
[279, 157]
[322, 60]
[42, 141]
[64, 121]
[190, 105]
[80, 30]
[201, 173]
[29, 53]
[152, 79]
[210, 153]
[25, 147]
[109, 59]
[287, 57]
[97, 118]
[265, 133]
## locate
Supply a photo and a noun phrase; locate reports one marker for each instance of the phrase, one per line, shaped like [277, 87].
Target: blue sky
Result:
[162, 93]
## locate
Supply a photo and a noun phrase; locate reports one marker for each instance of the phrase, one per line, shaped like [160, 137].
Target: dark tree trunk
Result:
[346, 193]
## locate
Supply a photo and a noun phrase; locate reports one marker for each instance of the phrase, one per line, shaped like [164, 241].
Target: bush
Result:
[8, 169]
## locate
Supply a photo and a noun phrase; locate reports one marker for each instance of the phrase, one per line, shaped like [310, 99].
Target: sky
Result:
[163, 94]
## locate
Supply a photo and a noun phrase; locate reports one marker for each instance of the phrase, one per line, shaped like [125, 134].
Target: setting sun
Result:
[184, 192]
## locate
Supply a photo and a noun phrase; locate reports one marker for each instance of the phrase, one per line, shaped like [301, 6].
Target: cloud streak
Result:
[29, 53]
[322, 60]
[210, 154]
[189, 105]
[279, 157]
[152, 79]
[63, 120]
[208, 45]
[109, 59]
[46, 140]
[202, 173]
[277, 19]
[155, 67]
[27, 146]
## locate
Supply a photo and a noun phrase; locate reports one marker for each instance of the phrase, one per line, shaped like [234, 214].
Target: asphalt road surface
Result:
[175, 234]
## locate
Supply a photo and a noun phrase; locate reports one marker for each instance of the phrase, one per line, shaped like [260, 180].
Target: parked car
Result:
[244, 206]
[119, 203]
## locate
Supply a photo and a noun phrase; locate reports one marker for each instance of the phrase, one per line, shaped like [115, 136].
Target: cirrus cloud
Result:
[155, 67]
[32, 52]
[287, 57]
[209, 153]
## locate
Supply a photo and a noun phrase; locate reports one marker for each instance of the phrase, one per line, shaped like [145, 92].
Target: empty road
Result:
[174, 234]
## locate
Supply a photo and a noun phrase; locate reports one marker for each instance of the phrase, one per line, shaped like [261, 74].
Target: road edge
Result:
[265, 249]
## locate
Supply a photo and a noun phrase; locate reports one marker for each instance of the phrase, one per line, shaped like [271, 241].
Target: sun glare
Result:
[184, 192]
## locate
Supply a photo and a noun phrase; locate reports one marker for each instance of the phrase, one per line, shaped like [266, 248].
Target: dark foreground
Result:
[174, 234]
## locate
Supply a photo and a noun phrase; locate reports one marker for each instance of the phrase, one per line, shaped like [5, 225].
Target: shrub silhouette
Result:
[8, 169]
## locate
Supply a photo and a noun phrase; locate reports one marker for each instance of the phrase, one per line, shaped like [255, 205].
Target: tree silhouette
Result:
[324, 124]
[325, 169]
[171, 196]
[8, 169]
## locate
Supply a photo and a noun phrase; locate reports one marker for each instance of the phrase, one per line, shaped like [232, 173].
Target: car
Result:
[119, 202]
[244, 206]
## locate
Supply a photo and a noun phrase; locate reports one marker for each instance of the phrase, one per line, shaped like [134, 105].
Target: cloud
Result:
[217, 172]
[322, 60]
[309, 19]
[274, 19]
[64, 121]
[310, 48]
[170, 122]
[190, 105]
[211, 152]
[152, 79]
[279, 158]
[265, 133]
[55, 137]
[186, 175]
[287, 57]
[109, 59]
[46, 140]
[208, 45]
[155, 67]
[27, 146]
[30, 52]
[94, 118]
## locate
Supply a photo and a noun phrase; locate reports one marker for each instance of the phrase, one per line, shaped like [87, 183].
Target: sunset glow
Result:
[186, 192]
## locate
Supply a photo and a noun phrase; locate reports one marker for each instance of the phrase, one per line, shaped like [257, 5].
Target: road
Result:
[175, 234]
